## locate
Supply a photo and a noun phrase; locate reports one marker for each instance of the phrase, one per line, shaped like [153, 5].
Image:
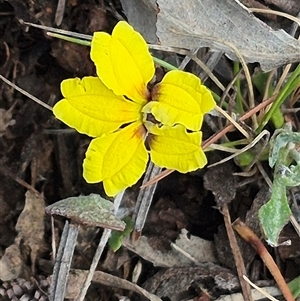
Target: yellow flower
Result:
[120, 112]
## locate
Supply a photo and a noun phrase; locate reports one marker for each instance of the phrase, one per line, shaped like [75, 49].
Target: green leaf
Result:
[277, 118]
[275, 214]
[116, 239]
[290, 177]
[279, 140]
[260, 81]
[245, 158]
[294, 286]
[91, 210]
[292, 82]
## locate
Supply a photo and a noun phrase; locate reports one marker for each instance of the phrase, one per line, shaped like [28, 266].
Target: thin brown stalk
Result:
[238, 259]
[249, 236]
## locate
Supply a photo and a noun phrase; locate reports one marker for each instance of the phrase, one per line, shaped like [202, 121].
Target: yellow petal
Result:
[180, 98]
[117, 159]
[174, 148]
[93, 109]
[123, 61]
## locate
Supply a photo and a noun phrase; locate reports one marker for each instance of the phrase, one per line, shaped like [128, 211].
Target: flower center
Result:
[150, 117]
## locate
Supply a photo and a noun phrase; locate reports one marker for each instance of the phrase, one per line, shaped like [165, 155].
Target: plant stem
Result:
[248, 235]
[283, 94]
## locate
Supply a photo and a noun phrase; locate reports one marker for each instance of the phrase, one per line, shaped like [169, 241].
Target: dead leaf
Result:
[200, 249]
[194, 246]
[30, 238]
[142, 16]
[174, 283]
[216, 24]
[11, 263]
[30, 225]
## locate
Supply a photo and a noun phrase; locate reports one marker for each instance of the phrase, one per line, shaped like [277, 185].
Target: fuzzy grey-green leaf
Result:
[91, 210]
[275, 214]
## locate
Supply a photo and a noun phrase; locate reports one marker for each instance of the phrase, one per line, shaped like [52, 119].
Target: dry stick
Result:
[53, 242]
[240, 267]
[63, 262]
[144, 200]
[214, 138]
[103, 241]
[228, 87]
[249, 236]
[26, 93]
[4, 170]
[114, 281]
[60, 10]
[230, 127]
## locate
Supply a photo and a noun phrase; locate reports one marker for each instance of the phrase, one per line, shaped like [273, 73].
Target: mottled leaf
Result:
[91, 210]
[275, 214]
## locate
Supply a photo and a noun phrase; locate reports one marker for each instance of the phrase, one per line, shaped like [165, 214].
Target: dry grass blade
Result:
[260, 290]
[275, 12]
[244, 149]
[60, 31]
[38, 101]
[228, 117]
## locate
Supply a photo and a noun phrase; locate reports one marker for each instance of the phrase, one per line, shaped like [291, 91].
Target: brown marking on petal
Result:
[155, 92]
[153, 85]
[140, 132]
[150, 138]
[147, 94]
